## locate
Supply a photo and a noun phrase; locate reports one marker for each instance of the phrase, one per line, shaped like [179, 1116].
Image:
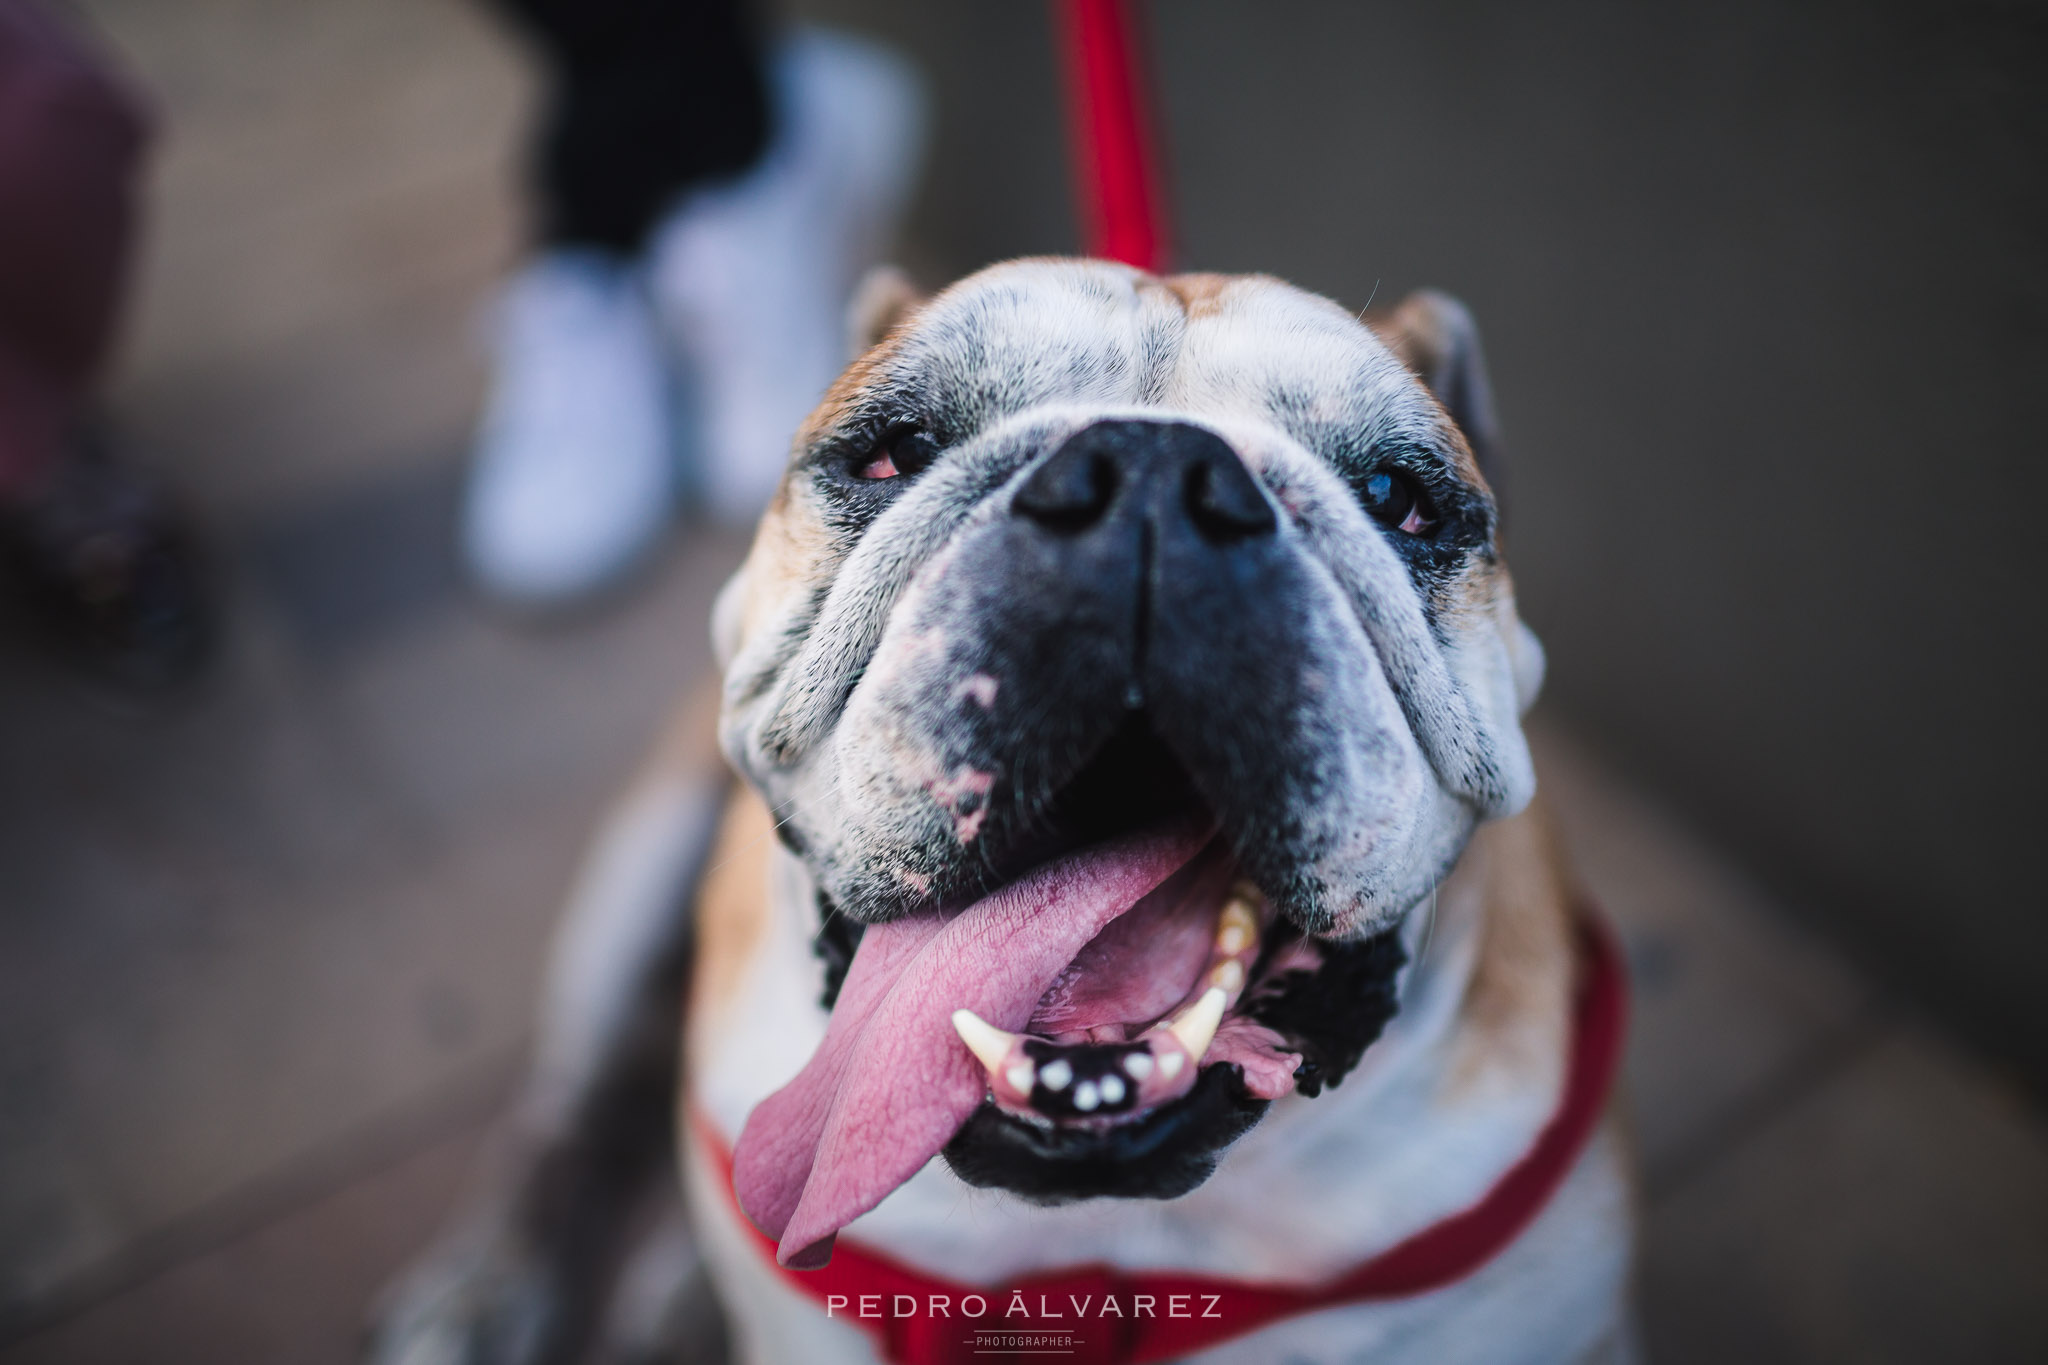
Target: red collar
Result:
[1100, 1315]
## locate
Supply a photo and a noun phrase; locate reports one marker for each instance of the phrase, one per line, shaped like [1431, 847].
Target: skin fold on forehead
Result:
[1248, 346]
[1230, 348]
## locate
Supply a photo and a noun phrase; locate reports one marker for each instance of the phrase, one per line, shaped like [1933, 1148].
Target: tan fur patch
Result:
[732, 906]
[1200, 294]
[846, 389]
[1517, 1007]
[1412, 331]
[1415, 333]
[1459, 450]
[1469, 604]
[792, 553]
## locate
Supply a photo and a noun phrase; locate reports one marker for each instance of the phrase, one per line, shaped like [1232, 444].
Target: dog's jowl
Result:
[1133, 937]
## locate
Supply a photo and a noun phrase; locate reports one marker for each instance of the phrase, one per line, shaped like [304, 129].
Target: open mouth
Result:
[1098, 1047]
[1147, 1055]
[1102, 1024]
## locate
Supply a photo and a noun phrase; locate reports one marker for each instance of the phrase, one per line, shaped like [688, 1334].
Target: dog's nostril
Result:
[1223, 501]
[1179, 476]
[1070, 491]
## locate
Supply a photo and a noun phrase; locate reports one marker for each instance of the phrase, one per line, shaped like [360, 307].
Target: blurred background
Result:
[1764, 289]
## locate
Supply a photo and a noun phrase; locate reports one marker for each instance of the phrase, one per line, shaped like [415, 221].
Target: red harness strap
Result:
[1100, 1315]
[1115, 171]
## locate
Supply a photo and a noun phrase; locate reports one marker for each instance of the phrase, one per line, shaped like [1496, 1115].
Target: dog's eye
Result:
[900, 454]
[1394, 498]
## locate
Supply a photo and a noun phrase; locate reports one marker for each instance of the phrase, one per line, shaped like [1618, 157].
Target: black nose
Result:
[1167, 471]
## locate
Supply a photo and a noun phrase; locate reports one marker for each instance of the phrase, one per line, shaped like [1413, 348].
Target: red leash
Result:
[1101, 1315]
[1115, 161]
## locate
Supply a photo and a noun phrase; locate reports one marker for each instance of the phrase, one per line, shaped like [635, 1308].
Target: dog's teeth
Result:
[1139, 1064]
[1055, 1074]
[987, 1042]
[1196, 1027]
[1020, 1077]
[1228, 976]
[1171, 1063]
[1237, 928]
[1112, 1089]
[1086, 1097]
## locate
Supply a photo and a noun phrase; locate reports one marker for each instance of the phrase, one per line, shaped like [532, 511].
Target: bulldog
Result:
[1133, 922]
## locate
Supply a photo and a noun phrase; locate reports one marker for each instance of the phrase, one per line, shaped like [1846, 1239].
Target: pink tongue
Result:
[891, 1083]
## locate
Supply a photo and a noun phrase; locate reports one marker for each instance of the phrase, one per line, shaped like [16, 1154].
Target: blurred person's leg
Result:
[575, 472]
[753, 277]
[703, 210]
[92, 541]
[649, 98]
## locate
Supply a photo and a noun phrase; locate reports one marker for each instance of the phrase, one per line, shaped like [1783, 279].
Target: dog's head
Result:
[1118, 649]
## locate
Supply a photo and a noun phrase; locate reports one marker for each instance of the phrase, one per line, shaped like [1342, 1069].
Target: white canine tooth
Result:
[1085, 1096]
[1139, 1064]
[1112, 1089]
[1237, 928]
[1196, 1027]
[1228, 976]
[1171, 1063]
[1055, 1074]
[1019, 1077]
[983, 1039]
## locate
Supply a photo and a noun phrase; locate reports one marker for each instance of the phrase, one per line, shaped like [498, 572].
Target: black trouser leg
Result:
[649, 98]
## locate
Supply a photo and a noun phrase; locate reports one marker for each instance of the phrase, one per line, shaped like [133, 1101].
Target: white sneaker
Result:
[573, 476]
[752, 277]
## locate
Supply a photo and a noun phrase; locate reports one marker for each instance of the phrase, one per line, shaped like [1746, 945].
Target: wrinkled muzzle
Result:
[1137, 580]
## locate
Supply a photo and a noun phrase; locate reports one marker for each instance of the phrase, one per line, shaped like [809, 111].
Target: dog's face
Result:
[1075, 553]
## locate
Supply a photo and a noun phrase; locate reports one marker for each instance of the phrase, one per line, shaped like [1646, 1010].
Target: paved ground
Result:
[266, 956]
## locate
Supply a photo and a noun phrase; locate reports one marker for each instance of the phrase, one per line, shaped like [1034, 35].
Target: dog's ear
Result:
[1434, 336]
[883, 298]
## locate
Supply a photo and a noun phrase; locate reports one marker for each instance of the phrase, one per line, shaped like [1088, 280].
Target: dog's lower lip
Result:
[1159, 1154]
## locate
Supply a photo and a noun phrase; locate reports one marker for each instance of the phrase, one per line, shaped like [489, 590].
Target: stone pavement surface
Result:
[267, 956]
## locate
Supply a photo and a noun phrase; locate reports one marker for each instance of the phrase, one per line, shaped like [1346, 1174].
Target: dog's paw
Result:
[475, 1300]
